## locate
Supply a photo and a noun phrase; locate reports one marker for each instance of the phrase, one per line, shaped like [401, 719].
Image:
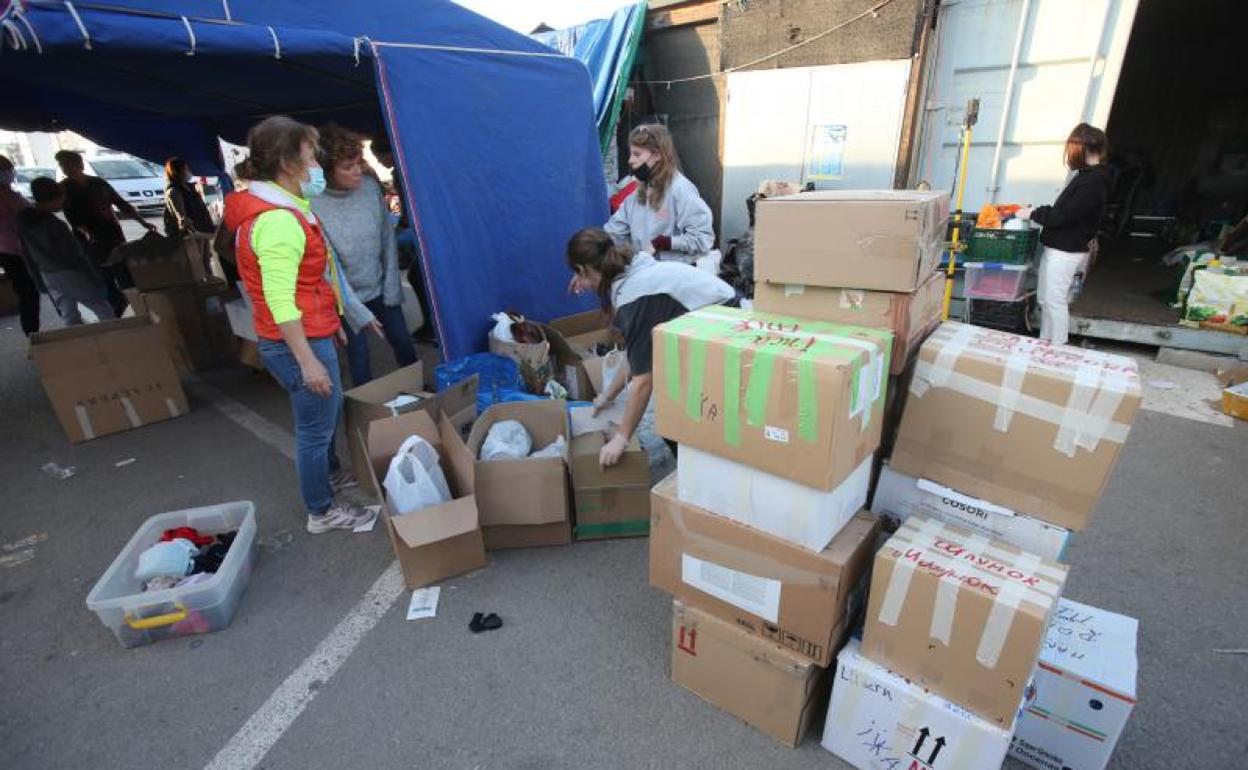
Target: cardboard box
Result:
[902, 496]
[793, 512]
[755, 680]
[108, 377]
[1084, 690]
[1235, 401]
[609, 502]
[524, 503]
[401, 391]
[182, 266]
[573, 341]
[771, 588]
[911, 317]
[1027, 424]
[440, 541]
[800, 399]
[960, 615]
[194, 321]
[880, 721]
[242, 324]
[886, 240]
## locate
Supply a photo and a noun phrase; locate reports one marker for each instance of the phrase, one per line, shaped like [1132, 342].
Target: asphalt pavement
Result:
[320, 669]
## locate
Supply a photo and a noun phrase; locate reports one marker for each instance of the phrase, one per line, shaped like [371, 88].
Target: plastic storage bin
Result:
[136, 617]
[992, 280]
[1013, 247]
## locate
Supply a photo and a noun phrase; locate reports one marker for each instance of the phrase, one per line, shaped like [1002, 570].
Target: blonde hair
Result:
[271, 143]
[657, 139]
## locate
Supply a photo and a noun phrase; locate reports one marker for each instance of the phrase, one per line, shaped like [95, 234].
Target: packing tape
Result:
[732, 396]
[173, 407]
[1078, 404]
[1052, 577]
[944, 608]
[1011, 388]
[997, 627]
[697, 374]
[671, 363]
[807, 400]
[758, 389]
[955, 342]
[133, 416]
[1104, 406]
[84, 422]
[1028, 405]
[903, 574]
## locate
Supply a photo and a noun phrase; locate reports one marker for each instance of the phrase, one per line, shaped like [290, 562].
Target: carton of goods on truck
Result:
[799, 399]
[1029, 425]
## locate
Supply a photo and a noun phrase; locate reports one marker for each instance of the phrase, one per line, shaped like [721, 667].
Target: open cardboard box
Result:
[609, 502]
[524, 502]
[573, 341]
[371, 401]
[442, 540]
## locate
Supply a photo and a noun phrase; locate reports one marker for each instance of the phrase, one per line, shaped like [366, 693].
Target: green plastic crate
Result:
[1010, 247]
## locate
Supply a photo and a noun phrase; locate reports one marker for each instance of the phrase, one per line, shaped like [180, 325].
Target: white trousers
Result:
[1057, 274]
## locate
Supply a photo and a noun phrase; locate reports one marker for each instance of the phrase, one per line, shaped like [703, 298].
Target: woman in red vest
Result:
[296, 299]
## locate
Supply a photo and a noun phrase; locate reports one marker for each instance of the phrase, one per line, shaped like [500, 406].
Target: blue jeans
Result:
[394, 327]
[316, 418]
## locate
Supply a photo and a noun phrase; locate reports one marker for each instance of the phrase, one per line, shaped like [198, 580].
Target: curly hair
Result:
[339, 144]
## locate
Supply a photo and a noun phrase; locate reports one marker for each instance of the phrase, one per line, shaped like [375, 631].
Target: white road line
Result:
[262, 428]
[266, 726]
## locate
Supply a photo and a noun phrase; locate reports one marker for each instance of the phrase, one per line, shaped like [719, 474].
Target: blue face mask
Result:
[315, 184]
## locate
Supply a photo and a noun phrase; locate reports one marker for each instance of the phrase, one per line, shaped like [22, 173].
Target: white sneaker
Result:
[342, 479]
[339, 516]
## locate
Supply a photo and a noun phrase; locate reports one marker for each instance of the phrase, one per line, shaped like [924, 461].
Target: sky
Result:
[524, 15]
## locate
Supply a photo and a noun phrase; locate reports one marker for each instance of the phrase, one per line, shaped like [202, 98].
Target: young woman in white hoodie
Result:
[639, 293]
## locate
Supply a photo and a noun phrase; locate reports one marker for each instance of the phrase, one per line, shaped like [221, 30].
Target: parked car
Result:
[139, 183]
[22, 176]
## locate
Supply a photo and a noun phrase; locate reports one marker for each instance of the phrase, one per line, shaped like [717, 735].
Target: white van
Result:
[138, 183]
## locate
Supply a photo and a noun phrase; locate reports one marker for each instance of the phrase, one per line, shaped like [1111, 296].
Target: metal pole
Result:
[972, 115]
[994, 172]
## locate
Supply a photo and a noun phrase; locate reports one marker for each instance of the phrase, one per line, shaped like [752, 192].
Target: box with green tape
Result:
[801, 399]
[609, 502]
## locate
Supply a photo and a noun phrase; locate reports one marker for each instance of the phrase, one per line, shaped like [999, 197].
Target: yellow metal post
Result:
[972, 114]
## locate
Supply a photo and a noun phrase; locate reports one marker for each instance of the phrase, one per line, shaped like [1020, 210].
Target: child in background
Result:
[56, 258]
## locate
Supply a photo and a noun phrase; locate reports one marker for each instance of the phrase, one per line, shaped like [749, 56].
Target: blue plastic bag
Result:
[499, 378]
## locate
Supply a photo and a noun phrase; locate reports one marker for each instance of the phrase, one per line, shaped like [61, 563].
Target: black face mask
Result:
[642, 173]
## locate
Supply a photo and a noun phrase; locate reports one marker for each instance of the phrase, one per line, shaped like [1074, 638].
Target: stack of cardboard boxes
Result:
[759, 536]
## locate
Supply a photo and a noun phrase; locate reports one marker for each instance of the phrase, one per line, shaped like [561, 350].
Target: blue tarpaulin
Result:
[495, 134]
[608, 49]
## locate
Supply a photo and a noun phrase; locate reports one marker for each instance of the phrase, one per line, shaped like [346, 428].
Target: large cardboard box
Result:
[1027, 424]
[440, 541]
[182, 265]
[576, 339]
[794, 512]
[886, 240]
[901, 496]
[108, 377]
[800, 399]
[911, 317]
[609, 502]
[194, 321]
[771, 588]
[961, 615]
[879, 721]
[524, 503]
[756, 680]
[398, 392]
[1084, 690]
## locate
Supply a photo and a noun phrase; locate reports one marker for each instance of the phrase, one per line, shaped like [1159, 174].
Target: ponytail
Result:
[593, 248]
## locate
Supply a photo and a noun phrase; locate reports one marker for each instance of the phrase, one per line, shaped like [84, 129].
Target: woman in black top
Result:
[1070, 227]
[185, 210]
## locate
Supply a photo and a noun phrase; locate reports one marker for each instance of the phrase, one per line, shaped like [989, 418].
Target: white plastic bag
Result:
[507, 440]
[556, 448]
[502, 327]
[415, 480]
[611, 365]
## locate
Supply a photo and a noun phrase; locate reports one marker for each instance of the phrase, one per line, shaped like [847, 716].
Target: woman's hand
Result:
[1025, 212]
[612, 451]
[375, 327]
[316, 378]
[601, 402]
[340, 337]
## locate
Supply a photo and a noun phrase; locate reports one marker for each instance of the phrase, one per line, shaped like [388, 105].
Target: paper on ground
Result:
[367, 526]
[424, 603]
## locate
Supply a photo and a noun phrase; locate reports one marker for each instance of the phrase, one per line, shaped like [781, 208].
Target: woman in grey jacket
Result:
[357, 225]
[664, 215]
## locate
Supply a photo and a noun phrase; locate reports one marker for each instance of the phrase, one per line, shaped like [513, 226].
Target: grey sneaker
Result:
[342, 479]
[339, 516]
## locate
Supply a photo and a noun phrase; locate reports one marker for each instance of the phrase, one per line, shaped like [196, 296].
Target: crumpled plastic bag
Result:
[502, 327]
[172, 557]
[415, 479]
[507, 440]
[557, 448]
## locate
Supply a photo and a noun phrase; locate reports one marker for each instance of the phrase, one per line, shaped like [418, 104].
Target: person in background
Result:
[664, 215]
[296, 291]
[12, 204]
[356, 222]
[58, 259]
[1070, 227]
[409, 246]
[185, 210]
[639, 293]
[89, 203]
